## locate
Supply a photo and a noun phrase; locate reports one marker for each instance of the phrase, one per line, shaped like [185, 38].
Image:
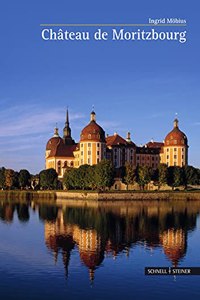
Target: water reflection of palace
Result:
[101, 232]
[174, 244]
[111, 233]
[63, 237]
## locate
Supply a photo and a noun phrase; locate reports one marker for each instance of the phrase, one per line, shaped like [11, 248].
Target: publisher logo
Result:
[172, 271]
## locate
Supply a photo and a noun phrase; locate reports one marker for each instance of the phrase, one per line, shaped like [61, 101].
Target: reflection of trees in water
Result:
[23, 212]
[122, 228]
[47, 212]
[7, 211]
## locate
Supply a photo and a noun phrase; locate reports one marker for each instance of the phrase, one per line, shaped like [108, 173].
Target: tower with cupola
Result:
[175, 149]
[92, 143]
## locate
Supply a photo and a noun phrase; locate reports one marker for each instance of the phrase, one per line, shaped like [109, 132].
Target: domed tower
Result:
[50, 147]
[92, 143]
[175, 150]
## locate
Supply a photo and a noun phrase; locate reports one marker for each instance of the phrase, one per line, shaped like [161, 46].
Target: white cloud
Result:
[29, 120]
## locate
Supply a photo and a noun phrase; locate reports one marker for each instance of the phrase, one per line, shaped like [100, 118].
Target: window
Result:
[175, 164]
[89, 152]
[97, 145]
[89, 160]
[89, 145]
[175, 149]
[89, 136]
[152, 158]
[81, 152]
[167, 156]
[81, 161]
[175, 156]
[167, 149]
[81, 145]
[97, 160]
[59, 167]
[97, 152]
[175, 142]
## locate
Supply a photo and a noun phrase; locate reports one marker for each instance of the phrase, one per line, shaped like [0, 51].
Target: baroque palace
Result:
[94, 145]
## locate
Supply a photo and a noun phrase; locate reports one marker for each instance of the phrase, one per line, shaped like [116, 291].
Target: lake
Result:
[72, 250]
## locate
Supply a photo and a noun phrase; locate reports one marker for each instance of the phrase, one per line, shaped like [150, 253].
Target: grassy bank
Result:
[100, 196]
[27, 195]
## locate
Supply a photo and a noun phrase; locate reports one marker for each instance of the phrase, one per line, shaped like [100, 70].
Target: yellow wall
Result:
[169, 152]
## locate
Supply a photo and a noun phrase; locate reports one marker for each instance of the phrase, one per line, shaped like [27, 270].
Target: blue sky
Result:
[134, 86]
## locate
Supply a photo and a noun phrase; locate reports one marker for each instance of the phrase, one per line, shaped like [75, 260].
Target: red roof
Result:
[176, 138]
[53, 142]
[155, 145]
[116, 140]
[93, 132]
[60, 149]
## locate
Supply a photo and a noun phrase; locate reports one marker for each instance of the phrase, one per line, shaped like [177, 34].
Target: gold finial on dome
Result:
[56, 134]
[93, 115]
[176, 123]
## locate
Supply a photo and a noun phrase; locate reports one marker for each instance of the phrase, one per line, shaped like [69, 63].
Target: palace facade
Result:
[94, 145]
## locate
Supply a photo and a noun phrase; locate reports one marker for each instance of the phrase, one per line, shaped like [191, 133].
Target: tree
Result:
[81, 178]
[130, 174]
[84, 179]
[24, 178]
[2, 177]
[71, 178]
[104, 174]
[48, 179]
[162, 175]
[11, 179]
[143, 175]
[175, 176]
[190, 176]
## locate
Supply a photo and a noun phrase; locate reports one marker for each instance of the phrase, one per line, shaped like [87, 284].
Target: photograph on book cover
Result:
[99, 149]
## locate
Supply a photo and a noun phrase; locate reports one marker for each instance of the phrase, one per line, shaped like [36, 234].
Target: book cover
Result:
[100, 98]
